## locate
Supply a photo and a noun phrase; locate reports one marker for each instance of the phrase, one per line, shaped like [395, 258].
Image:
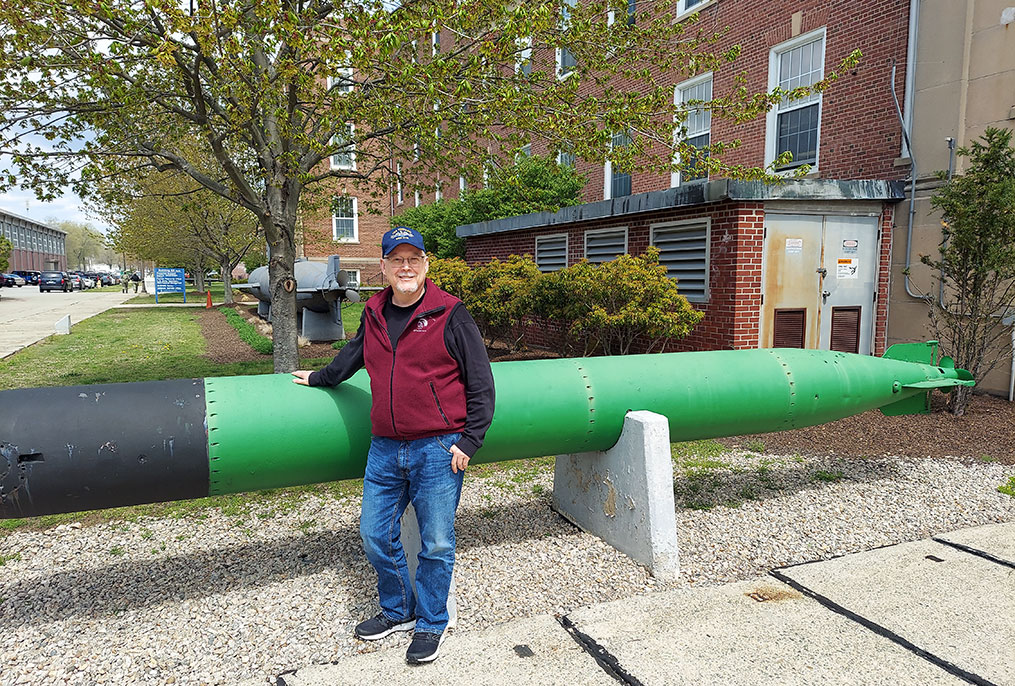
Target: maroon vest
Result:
[417, 389]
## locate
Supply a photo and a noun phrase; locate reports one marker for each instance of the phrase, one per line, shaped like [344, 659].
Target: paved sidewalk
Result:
[28, 316]
[936, 611]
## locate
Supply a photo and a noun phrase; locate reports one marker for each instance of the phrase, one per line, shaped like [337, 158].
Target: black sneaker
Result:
[380, 626]
[425, 647]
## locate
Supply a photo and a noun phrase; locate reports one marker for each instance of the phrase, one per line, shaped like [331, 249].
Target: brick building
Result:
[803, 263]
[36, 246]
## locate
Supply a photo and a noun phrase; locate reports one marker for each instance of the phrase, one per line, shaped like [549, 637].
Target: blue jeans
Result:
[397, 473]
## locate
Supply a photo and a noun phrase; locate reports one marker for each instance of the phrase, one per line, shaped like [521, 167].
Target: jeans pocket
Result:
[446, 438]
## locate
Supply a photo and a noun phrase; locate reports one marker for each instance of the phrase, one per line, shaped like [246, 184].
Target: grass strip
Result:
[247, 332]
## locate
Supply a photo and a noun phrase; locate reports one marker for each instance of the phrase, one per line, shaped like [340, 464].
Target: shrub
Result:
[612, 306]
[498, 295]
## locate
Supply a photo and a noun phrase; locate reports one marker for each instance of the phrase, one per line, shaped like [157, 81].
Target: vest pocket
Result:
[437, 402]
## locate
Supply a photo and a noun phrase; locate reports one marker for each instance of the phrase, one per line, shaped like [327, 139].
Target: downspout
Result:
[914, 24]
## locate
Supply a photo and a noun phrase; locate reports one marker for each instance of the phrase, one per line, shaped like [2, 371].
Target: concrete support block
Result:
[624, 495]
[412, 546]
[63, 325]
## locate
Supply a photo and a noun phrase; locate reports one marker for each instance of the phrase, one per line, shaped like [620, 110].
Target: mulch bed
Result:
[986, 432]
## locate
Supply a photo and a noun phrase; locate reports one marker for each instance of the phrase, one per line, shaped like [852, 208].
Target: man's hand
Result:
[302, 377]
[459, 460]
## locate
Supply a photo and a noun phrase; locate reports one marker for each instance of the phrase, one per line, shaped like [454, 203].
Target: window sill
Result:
[697, 8]
[902, 162]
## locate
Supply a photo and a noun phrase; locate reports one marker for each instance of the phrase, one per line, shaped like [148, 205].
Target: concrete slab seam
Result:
[880, 630]
[606, 660]
[975, 551]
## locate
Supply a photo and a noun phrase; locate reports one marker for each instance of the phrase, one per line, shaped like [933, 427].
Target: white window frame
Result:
[574, 158]
[398, 183]
[549, 237]
[608, 178]
[676, 178]
[602, 232]
[524, 55]
[698, 5]
[352, 152]
[611, 15]
[417, 197]
[435, 43]
[437, 191]
[355, 223]
[565, 16]
[346, 74]
[462, 184]
[353, 277]
[690, 224]
[772, 119]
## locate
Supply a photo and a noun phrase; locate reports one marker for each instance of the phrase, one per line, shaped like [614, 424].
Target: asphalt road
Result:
[27, 316]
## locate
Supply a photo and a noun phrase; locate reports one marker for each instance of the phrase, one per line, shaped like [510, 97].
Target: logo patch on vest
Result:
[421, 325]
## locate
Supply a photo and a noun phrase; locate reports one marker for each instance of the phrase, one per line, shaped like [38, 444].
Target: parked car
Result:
[31, 276]
[11, 280]
[54, 281]
[76, 281]
[86, 281]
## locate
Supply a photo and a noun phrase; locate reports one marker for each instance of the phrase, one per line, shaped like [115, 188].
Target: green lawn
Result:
[193, 296]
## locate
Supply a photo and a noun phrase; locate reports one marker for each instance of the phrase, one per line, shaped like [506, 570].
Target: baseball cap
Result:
[399, 235]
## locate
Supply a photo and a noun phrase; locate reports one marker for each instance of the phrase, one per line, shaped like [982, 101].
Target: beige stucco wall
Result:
[964, 83]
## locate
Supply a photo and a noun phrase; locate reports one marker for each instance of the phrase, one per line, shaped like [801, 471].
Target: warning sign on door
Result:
[850, 247]
[794, 246]
[847, 268]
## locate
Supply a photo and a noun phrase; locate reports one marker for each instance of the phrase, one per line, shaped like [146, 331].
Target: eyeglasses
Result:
[414, 261]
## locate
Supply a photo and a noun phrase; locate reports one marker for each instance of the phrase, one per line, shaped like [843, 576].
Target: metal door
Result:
[791, 282]
[819, 272]
[851, 267]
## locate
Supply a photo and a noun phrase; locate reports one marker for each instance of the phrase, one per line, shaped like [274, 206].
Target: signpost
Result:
[169, 281]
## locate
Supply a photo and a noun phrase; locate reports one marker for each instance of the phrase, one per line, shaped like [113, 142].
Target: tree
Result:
[5, 253]
[534, 184]
[84, 244]
[976, 259]
[170, 219]
[273, 89]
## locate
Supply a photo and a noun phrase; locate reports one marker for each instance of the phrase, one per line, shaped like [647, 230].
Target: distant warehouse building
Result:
[36, 246]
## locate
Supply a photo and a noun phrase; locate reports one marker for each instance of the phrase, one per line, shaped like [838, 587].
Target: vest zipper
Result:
[437, 400]
[391, 380]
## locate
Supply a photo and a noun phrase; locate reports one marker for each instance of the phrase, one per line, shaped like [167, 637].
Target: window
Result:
[462, 184]
[398, 183]
[344, 222]
[435, 43]
[698, 125]
[353, 277]
[617, 184]
[793, 125]
[684, 6]
[566, 157]
[417, 197]
[551, 252]
[611, 16]
[684, 251]
[523, 152]
[342, 81]
[605, 244]
[345, 157]
[523, 63]
[566, 61]
[437, 191]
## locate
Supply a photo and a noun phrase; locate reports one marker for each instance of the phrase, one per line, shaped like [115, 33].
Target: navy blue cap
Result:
[399, 235]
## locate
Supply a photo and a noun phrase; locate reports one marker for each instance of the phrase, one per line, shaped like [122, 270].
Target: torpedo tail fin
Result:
[924, 353]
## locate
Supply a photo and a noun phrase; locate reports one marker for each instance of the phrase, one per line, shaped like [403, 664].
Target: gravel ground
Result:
[224, 598]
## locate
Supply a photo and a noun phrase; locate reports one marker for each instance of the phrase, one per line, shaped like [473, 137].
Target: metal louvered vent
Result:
[789, 328]
[551, 253]
[603, 246]
[846, 329]
[683, 250]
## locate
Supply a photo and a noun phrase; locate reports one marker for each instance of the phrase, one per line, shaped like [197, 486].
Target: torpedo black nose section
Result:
[87, 447]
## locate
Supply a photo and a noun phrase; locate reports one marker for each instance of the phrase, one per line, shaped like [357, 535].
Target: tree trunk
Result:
[226, 270]
[199, 278]
[144, 289]
[282, 283]
[960, 400]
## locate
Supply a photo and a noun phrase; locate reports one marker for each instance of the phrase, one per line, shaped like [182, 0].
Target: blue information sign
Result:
[169, 281]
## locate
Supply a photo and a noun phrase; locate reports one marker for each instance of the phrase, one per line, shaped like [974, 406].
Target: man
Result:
[433, 399]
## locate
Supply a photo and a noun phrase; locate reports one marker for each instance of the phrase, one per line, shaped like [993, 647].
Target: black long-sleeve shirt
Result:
[465, 345]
